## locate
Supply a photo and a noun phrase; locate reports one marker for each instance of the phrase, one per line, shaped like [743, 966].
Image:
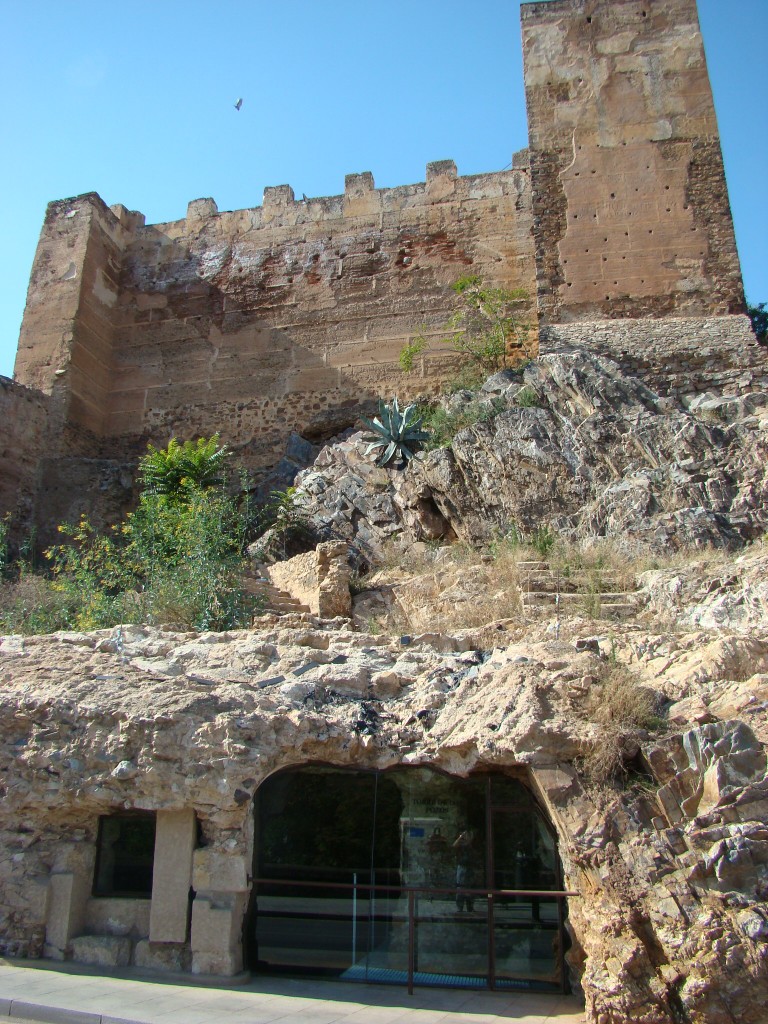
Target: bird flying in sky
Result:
[239, 103]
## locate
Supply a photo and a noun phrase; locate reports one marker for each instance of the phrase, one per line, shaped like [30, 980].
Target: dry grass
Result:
[620, 708]
[31, 604]
[446, 588]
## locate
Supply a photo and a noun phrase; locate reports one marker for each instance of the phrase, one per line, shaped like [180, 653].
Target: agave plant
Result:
[396, 432]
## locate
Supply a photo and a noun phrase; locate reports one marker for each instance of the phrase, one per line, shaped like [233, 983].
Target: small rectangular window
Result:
[125, 855]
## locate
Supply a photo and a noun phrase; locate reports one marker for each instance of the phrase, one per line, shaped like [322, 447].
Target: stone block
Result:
[440, 169]
[68, 895]
[224, 964]
[278, 195]
[200, 210]
[102, 950]
[219, 872]
[217, 924]
[105, 916]
[358, 184]
[164, 956]
[175, 840]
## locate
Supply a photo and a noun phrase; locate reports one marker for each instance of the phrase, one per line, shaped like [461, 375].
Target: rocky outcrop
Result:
[586, 450]
[671, 869]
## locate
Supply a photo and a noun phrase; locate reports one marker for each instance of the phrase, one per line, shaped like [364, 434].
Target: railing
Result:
[413, 893]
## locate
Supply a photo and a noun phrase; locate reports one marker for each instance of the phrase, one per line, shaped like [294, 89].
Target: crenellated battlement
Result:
[360, 199]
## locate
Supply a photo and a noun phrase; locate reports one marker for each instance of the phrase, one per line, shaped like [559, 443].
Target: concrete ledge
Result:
[130, 974]
[52, 1014]
[57, 1015]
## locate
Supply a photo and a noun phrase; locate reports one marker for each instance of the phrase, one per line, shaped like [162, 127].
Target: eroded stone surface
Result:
[599, 454]
[671, 876]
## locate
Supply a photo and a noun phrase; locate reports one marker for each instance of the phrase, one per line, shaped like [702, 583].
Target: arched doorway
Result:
[407, 875]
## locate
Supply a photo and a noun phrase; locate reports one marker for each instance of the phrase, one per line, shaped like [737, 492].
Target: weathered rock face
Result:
[599, 454]
[672, 875]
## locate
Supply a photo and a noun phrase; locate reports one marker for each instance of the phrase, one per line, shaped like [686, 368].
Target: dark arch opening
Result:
[406, 874]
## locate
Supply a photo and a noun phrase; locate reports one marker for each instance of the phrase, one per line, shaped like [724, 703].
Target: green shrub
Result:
[442, 426]
[176, 560]
[180, 469]
[410, 351]
[526, 397]
[543, 540]
[283, 523]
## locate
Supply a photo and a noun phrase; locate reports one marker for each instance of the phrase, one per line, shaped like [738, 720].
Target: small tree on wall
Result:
[759, 316]
[487, 324]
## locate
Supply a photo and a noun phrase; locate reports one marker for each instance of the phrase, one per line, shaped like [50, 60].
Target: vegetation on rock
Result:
[180, 470]
[488, 324]
[396, 433]
[177, 559]
[759, 316]
[443, 424]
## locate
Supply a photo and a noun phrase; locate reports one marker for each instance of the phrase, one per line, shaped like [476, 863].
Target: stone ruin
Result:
[161, 805]
[287, 318]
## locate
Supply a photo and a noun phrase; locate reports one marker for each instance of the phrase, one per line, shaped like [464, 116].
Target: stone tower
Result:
[630, 206]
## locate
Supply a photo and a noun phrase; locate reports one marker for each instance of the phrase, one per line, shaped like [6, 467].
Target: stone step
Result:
[570, 585]
[550, 597]
[277, 601]
[597, 609]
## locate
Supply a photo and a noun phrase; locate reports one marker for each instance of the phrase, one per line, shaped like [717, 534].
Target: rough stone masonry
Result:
[290, 316]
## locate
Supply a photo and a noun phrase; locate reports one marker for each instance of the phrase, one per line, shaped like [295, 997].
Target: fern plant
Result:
[396, 433]
[180, 469]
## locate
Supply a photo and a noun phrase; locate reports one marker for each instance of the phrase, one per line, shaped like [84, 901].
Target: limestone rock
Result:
[599, 455]
[102, 950]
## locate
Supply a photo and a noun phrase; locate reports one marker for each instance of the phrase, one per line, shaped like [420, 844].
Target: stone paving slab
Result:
[59, 995]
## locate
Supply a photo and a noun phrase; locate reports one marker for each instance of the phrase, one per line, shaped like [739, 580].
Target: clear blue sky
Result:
[134, 100]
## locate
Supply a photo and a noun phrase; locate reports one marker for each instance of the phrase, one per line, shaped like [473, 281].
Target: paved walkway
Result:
[59, 995]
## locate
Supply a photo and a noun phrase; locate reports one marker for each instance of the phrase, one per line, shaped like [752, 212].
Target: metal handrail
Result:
[413, 890]
[428, 890]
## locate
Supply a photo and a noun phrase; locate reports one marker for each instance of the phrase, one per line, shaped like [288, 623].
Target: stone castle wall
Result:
[290, 317]
[24, 414]
[674, 356]
[261, 321]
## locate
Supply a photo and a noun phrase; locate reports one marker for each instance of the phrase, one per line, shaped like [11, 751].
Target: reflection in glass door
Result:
[386, 876]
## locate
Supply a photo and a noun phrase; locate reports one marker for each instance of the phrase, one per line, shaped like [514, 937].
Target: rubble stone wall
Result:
[669, 919]
[24, 414]
[676, 356]
[318, 579]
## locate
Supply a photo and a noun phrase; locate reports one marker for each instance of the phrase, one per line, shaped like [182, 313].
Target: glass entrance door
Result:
[404, 875]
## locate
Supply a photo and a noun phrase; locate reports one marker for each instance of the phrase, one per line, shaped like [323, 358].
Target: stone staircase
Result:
[594, 593]
[276, 602]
